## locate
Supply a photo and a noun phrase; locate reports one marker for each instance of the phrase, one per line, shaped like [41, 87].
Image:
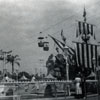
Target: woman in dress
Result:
[78, 89]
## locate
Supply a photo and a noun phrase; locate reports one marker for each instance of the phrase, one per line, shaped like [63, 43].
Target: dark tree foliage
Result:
[59, 66]
[84, 71]
[50, 63]
[60, 63]
[13, 59]
[27, 75]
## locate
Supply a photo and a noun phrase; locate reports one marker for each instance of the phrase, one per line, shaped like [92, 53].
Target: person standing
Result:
[83, 85]
[78, 89]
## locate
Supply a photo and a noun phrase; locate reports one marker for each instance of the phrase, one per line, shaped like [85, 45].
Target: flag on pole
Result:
[71, 52]
[56, 48]
[61, 45]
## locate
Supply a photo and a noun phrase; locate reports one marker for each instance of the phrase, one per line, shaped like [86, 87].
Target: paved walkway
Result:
[92, 97]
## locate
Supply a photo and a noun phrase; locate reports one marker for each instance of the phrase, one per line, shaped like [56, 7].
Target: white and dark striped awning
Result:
[85, 28]
[86, 51]
[85, 54]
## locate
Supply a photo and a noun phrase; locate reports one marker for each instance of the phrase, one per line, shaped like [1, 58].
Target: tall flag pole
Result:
[84, 14]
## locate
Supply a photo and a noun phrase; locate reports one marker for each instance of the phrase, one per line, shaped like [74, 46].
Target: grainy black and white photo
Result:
[49, 50]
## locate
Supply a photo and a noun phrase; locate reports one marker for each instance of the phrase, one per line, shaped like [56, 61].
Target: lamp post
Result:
[4, 53]
[67, 67]
[95, 71]
[94, 66]
[17, 71]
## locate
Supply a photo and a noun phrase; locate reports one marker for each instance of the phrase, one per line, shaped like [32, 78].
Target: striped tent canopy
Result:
[86, 45]
[85, 28]
[23, 78]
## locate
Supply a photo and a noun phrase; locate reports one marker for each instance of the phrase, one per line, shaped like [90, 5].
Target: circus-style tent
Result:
[23, 78]
[50, 77]
[86, 46]
[92, 76]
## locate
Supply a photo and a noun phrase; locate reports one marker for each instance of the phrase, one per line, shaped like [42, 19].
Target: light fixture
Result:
[85, 37]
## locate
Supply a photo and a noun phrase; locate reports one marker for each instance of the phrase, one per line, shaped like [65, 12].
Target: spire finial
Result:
[84, 14]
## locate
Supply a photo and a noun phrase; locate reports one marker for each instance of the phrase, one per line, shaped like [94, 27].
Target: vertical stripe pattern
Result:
[88, 29]
[79, 25]
[91, 46]
[92, 30]
[78, 54]
[85, 54]
[85, 28]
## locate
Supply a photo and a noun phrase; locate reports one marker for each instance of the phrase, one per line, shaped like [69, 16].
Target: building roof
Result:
[23, 78]
[50, 77]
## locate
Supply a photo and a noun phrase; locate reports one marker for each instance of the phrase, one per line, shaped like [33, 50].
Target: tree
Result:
[57, 66]
[50, 64]
[26, 74]
[13, 59]
[60, 63]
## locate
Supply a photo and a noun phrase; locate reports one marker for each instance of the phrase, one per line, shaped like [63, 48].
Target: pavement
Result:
[89, 97]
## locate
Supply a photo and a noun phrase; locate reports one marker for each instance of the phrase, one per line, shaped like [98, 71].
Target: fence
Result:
[13, 97]
[26, 89]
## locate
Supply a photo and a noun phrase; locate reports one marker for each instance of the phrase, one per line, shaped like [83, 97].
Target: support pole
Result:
[67, 75]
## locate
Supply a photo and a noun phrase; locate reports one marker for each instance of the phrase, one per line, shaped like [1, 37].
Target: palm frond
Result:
[16, 56]
[1, 58]
[18, 59]
[9, 51]
[18, 63]
[6, 62]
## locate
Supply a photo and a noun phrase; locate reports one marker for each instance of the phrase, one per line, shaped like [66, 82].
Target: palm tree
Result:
[13, 59]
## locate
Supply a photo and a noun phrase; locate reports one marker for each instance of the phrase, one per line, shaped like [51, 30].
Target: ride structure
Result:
[43, 42]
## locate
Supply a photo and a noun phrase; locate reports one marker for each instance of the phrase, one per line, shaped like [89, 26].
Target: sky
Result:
[21, 22]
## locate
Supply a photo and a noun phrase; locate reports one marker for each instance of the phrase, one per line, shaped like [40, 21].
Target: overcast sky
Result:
[22, 20]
